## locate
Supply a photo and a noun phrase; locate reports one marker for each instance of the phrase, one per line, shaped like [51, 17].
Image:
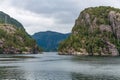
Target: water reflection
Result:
[49, 66]
[78, 76]
[11, 73]
[18, 74]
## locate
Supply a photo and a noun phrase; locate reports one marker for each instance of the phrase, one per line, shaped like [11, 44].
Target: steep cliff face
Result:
[13, 37]
[114, 18]
[96, 32]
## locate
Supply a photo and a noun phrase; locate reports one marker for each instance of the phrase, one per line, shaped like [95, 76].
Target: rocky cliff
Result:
[14, 38]
[96, 32]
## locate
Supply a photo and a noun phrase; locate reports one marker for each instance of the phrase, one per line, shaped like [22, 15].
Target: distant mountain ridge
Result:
[49, 40]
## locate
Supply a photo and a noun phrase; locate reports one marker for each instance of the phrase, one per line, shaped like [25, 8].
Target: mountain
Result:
[96, 32]
[14, 38]
[49, 40]
[5, 18]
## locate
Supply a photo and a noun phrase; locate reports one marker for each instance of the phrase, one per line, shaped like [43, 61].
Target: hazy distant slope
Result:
[6, 18]
[49, 40]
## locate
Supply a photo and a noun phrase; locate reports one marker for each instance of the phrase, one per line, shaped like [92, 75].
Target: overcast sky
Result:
[54, 15]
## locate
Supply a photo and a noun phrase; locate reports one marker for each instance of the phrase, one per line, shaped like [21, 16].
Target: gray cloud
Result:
[56, 15]
[64, 10]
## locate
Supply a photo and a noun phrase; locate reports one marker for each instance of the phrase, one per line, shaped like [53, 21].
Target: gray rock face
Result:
[1, 43]
[115, 23]
[105, 28]
[97, 30]
[114, 27]
[111, 49]
[87, 19]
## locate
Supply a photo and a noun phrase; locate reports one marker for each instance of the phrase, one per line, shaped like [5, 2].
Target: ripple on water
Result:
[49, 66]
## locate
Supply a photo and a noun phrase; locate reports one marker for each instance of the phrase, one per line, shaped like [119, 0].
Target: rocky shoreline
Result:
[86, 54]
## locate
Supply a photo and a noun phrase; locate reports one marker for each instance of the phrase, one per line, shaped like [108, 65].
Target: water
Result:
[50, 66]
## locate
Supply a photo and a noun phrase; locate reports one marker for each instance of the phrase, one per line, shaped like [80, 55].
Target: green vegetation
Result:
[92, 42]
[19, 39]
[101, 13]
[13, 37]
[91, 39]
[49, 40]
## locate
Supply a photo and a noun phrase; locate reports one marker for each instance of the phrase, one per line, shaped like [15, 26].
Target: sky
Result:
[50, 15]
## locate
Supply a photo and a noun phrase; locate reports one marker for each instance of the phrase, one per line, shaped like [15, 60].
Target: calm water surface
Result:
[50, 66]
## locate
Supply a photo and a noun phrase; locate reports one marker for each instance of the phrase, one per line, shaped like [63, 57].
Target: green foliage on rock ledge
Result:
[101, 13]
[87, 33]
[17, 39]
[14, 38]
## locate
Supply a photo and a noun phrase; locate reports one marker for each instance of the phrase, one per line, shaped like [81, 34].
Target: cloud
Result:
[50, 8]
[55, 15]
